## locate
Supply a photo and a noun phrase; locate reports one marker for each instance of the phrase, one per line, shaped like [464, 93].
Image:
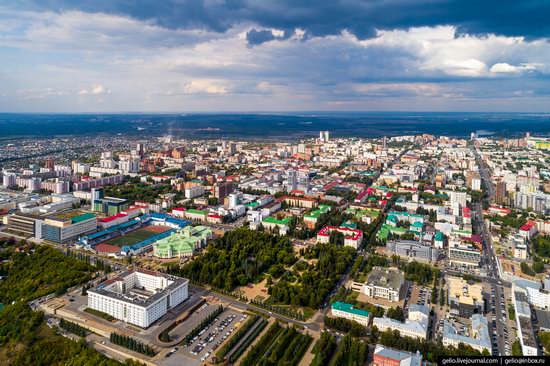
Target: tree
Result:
[395, 313]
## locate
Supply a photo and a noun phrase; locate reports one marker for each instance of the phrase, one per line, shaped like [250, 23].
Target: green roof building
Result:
[182, 243]
[314, 215]
[348, 311]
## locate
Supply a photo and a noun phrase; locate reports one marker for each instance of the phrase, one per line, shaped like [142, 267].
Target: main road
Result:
[497, 306]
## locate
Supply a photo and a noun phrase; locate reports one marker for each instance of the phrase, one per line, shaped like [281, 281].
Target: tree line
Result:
[202, 324]
[345, 326]
[132, 344]
[72, 327]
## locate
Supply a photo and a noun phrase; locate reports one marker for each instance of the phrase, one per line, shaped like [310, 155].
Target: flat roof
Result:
[386, 277]
[543, 318]
[176, 282]
[273, 220]
[349, 308]
[464, 292]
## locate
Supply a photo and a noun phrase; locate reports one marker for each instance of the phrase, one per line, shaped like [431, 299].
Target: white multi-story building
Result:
[348, 311]
[479, 339]
[385, 283]
[415, 326]
[524, 323]
[139, 297]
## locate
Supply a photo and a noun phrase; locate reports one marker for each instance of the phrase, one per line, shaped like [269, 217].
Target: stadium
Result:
[133, 237]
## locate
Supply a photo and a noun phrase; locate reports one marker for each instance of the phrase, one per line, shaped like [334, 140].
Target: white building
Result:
[479, 339]
[348, 311]
[524, 323]
[385, 283]
[415, 326]
[138, 296]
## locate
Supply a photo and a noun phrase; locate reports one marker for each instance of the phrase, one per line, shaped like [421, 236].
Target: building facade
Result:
[138, 296]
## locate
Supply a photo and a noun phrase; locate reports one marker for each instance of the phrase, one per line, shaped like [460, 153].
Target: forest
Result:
[237, 258]
[24, 337]
[33, 275]
[314, 285]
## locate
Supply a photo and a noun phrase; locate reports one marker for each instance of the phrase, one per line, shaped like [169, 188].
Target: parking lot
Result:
[203, 346]
[418, 295]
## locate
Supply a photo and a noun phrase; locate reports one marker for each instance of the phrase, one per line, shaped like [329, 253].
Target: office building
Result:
[182, 243]
[524, 322]
[385, 283]
[389, 357]
[479, 338]
[415, 326]
[352, 237]
[222, 190]
[138, 296]
[465, 300]
[348, 311]
[68, 226]
[414, 250]
[110, 205]
[464, 254]
[27, 225]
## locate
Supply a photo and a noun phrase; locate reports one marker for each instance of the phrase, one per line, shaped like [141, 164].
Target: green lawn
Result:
[132, 237]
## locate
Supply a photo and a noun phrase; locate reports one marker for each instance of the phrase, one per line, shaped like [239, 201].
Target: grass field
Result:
[133, 237]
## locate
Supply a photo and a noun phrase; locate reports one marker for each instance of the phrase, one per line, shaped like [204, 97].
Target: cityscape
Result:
[191, 252]
[274, 183]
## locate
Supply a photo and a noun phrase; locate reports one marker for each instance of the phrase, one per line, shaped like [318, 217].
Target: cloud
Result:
[528, 18]
[256, 37]
[246, 64]
[504, 68]
[39, 93]
[95, 89]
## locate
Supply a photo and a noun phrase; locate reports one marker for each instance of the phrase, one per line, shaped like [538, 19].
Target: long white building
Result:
[139, 296]
[415, 326]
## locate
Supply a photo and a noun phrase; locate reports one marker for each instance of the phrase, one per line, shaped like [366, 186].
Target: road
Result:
[498, 311]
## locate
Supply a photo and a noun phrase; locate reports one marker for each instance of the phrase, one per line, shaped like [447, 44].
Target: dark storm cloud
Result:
[259, 36]
[527, 18]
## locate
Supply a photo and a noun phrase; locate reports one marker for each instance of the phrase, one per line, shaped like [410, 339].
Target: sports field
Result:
[138, 235]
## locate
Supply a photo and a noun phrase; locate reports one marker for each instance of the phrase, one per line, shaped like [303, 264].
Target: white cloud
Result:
[505, 68]
[95, 89]
[144, 63]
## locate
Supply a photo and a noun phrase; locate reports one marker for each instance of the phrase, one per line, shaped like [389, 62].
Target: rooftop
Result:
[386, 277]
[348, 308]
[273, 220]
[464, 292]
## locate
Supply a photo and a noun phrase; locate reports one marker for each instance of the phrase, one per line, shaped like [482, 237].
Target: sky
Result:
[266, 56]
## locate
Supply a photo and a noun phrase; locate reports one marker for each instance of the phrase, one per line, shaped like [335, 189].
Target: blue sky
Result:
[266, 55]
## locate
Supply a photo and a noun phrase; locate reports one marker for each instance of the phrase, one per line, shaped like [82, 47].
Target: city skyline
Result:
[245, 56]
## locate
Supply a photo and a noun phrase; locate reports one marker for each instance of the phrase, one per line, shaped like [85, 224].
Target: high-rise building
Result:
[49, 164]
[139, 148]
[292, 180]
[500, 194]
[324, 136]
[232, 148]
[9, 180]
[129, 165]
[107, 160]
[222, 190]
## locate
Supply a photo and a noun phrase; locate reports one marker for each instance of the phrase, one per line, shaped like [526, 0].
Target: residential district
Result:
[325, 251]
